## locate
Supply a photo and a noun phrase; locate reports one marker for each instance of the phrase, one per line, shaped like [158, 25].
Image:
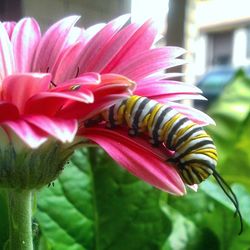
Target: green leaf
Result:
[214, 191]
[231, 135]
[95, 204]
[190, 211]
[222, 220]
[186, 235]
[232, 115]
[213, 215]
[66, 209]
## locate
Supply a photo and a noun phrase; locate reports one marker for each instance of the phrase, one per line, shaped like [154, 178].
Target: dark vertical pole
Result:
[176, 22]
[176, 26]
[10, 10]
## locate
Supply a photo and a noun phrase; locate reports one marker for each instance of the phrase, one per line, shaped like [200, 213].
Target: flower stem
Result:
[20, 214]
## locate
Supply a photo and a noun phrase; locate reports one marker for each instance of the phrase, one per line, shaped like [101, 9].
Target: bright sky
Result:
[156, 9]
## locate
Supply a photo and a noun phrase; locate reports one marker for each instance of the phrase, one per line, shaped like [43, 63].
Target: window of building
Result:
[248, 42]
[220, 46]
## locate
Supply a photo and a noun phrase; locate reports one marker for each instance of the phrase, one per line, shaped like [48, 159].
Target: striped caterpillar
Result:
[195, 153]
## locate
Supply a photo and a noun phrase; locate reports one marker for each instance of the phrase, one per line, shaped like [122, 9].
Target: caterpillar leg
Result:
[93, 121]
[154, 143]
[133, 132]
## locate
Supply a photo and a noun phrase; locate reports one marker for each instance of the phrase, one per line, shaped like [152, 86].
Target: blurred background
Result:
[216, 33]
[135, 216]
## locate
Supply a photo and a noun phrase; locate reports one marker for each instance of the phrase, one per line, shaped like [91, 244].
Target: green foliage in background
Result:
[96, 205]
[232, 133]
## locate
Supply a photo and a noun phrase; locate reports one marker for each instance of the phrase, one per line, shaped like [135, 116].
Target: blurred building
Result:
[217, 33]
[91, 11]
[49, 11]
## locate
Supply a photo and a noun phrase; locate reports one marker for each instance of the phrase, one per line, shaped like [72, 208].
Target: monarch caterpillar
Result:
[195, 153]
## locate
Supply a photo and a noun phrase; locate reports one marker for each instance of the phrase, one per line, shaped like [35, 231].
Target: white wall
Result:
[240, 48]
[214, 12]
[201, 54]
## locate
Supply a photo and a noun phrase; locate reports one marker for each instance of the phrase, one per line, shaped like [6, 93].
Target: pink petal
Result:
[64, 68]
[75, 34]
[193, 114]
[94, 29]
[45, 103]
[111, 88]
[159, 76]
[116, 78]
[110, 49]
[29, 134]
[129, 42]
[84, 111]
[25, 38]
[25, 86]
[164, 98]
[91, 77]
[9, 26]
[8, 111]
[161, 87]
[7, 63]
[149, 62]
[172, 75]
[49, 103]
[52, 43]
[139, 158]
[63, 130]
[114, 82]
[98, 42]
[86, 79]
[81, 95]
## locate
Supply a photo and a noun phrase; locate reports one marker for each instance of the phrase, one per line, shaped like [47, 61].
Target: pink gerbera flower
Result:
[51, 84]
[36, 113]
